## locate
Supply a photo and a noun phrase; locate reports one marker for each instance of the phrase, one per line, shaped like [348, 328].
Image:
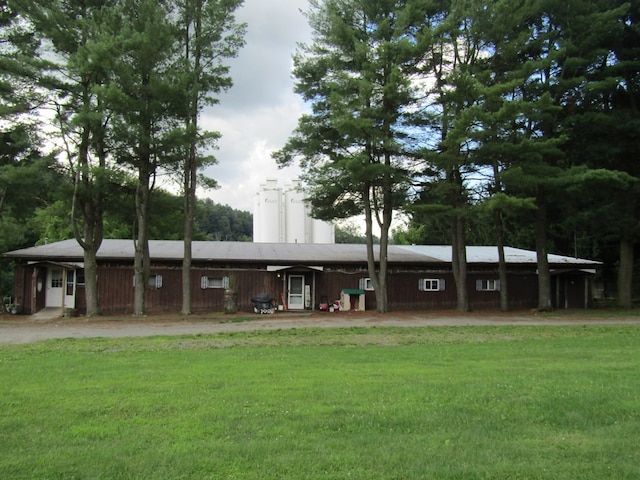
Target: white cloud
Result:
[257, 115]
[244, 155]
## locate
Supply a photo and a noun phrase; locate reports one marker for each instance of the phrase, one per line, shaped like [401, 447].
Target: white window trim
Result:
[428, 284]
[366, 284]
[210, 282]
[155, 281]
[488, 285]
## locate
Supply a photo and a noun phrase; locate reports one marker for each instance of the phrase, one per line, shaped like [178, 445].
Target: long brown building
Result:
[300, 276]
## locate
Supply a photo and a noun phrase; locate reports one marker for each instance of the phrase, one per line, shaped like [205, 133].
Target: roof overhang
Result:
[278, 268]
[590, 271]
[49, 263]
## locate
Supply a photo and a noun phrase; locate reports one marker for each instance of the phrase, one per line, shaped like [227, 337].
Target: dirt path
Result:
[16, 330]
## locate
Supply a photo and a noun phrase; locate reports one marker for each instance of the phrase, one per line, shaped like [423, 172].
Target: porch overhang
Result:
[49, 263]
[279, 268]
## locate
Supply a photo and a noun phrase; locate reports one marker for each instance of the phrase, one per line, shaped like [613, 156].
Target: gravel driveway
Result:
[16, 330]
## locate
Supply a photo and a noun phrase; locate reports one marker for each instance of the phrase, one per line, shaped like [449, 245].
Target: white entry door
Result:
[296, 292]
[60, 285]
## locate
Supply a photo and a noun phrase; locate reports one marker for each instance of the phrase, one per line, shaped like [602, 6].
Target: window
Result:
[431, 284]
[56, 278]
[214, 282]
[70, 281]
[155, 281]
[488, 285]
[366, 284]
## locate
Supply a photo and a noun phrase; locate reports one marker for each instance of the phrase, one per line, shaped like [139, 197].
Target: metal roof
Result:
[286, 253]
[489, 254]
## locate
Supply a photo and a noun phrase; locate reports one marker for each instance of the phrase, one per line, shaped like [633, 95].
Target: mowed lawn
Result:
[363, 403]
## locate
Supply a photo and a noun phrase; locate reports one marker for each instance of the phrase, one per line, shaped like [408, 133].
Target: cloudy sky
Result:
[257, 115]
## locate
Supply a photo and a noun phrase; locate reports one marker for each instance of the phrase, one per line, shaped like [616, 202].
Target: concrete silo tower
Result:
[267, 213]
[282, 216]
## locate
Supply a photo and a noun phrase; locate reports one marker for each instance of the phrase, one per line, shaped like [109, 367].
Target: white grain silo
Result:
[295, 215]
[284, 217]
[267, 213]
[323, 232]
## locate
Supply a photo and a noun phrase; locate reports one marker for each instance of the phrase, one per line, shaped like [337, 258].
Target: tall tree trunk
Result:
[382, 297]
[544, 274]
[141, 260]
[625, 273]
[94, 227]
[146, 168]
[379, 283]
[92, 206]
[459, 263]
[193, 20]
[91, 283]
[502, 262]
[91, 245]
[387, 214]
[189, 210]
[80, 201]
[498, 221]
[458, 239]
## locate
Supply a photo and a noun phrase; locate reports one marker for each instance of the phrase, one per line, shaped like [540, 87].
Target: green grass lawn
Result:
[370, 403]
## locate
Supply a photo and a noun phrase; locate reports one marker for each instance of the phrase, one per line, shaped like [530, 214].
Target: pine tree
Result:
[74, 62]
[209, 36]
[147, 100]
[602, 116]
[448, 69]
[352, 146]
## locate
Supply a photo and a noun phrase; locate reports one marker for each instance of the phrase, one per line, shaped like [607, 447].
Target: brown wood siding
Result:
[247, 284]
[250, 283]
[209, 299]
[167, 298]
[404, 293]
[116, 291]
[25, 293]
[40, 296]
[568, 291]
[81, 299]
[330, 283]
[483, 300]
[522, 289]
[21, 288]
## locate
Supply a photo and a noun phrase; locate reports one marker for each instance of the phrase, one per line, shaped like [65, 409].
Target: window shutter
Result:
[442, 284]
[498, 285]
[363, 284]
[225, 282]
[478, 284]
[204, 283]
[421, 284]
[158, 281]
[134, 281]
